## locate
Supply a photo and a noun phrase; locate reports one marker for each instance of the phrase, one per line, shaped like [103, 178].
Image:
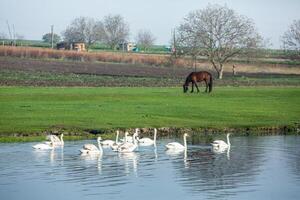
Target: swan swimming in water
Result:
[130, 138]
[110, 142]
[220, 144]
[177, 146]
[127, 146]
[91, 148]
[148, 141]
[116, 144]
[43, 146]
[55, 140]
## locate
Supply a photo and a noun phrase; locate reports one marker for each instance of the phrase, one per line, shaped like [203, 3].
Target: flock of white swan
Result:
[129, 144]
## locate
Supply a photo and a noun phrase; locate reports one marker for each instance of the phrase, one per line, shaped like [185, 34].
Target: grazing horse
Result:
[195, 77]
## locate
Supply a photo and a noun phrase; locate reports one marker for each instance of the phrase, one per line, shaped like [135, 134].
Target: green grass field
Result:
[34, 109]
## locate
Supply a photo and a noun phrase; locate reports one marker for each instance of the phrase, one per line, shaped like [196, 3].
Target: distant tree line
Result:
[111, 31]
[216, 32]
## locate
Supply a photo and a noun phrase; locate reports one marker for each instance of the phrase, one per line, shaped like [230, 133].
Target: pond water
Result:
[254, 168]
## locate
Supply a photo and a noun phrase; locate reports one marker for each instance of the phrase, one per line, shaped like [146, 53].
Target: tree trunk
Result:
[218, 67]
[220, 72]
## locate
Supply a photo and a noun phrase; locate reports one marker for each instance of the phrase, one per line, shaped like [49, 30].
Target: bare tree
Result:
[113, 30]
[291, 39]
[218, 33]
[145, 39]
[82, 29]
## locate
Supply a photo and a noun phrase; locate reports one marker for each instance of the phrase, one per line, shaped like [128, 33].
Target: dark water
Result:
[254, 168]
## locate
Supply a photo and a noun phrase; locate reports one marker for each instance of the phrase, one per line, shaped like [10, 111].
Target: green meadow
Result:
[36, 109]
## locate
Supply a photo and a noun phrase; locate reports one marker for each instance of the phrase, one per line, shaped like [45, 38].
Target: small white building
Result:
[127, 46]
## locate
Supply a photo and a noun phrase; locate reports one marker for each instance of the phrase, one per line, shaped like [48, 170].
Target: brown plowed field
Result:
[95, 68]
[174, 75]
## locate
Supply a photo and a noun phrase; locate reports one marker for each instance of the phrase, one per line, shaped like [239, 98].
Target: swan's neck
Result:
[228, 152]
[134, 139]
[155, 134]
[61, 139]
[117, 137]
[228, 141]
[184, 141]
[100, 147]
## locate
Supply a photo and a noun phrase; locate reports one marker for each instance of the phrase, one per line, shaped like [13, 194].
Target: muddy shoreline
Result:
[162, 132]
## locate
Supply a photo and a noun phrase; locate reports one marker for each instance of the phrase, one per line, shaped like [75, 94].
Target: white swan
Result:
[148, 141]
[116, 144]
[110, 142]
[55, 140]
[130, 138]
[91, 148]
[127, 146]
[221, 144]
[177, 146]
[43, 146]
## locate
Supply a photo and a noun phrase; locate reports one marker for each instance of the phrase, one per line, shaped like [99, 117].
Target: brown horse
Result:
[195, 77]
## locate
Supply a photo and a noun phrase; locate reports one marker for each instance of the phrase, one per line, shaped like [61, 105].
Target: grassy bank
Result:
[36, 109]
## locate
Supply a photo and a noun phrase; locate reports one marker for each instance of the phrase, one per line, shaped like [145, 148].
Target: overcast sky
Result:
[33, 18]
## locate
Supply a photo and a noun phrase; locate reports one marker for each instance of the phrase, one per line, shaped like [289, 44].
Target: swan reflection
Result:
[218, 169]
[130, 161]
[55, 156]
[221, 150]
[94, 160]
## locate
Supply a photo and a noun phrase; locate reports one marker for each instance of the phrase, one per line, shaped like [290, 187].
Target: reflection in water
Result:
[218, 171]
[291, 153]
[130, 162]
[220, 150]
[93, 160]
[55, 156]
[152, 172]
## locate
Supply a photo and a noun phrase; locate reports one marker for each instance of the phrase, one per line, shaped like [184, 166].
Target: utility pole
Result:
[14, 35]
[9, 29]
[174, 44]
[52, 26]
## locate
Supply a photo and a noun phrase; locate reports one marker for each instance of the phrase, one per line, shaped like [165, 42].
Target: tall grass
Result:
[119, 57]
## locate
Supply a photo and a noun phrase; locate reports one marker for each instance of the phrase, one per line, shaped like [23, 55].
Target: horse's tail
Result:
[210, 85]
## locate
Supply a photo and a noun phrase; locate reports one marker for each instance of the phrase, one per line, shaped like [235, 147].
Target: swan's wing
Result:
[42, 146]
[54, 138]
[107, 142]
[145, 140]
[48, 143]
[90, 147]
[172, 145]
[219, 142]
[127, 147]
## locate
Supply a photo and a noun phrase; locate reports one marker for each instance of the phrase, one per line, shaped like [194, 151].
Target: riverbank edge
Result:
[73, 134]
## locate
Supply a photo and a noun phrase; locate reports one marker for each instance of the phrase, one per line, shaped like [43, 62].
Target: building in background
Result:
[77, 46]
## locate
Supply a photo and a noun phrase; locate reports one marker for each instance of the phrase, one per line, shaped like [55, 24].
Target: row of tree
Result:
[112, 30]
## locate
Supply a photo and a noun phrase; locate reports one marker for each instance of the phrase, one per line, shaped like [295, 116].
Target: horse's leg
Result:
[192, 87]
[197, 87]
[206, 85]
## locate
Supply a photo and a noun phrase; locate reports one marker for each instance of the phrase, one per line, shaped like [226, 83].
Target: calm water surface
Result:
[254, 168]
